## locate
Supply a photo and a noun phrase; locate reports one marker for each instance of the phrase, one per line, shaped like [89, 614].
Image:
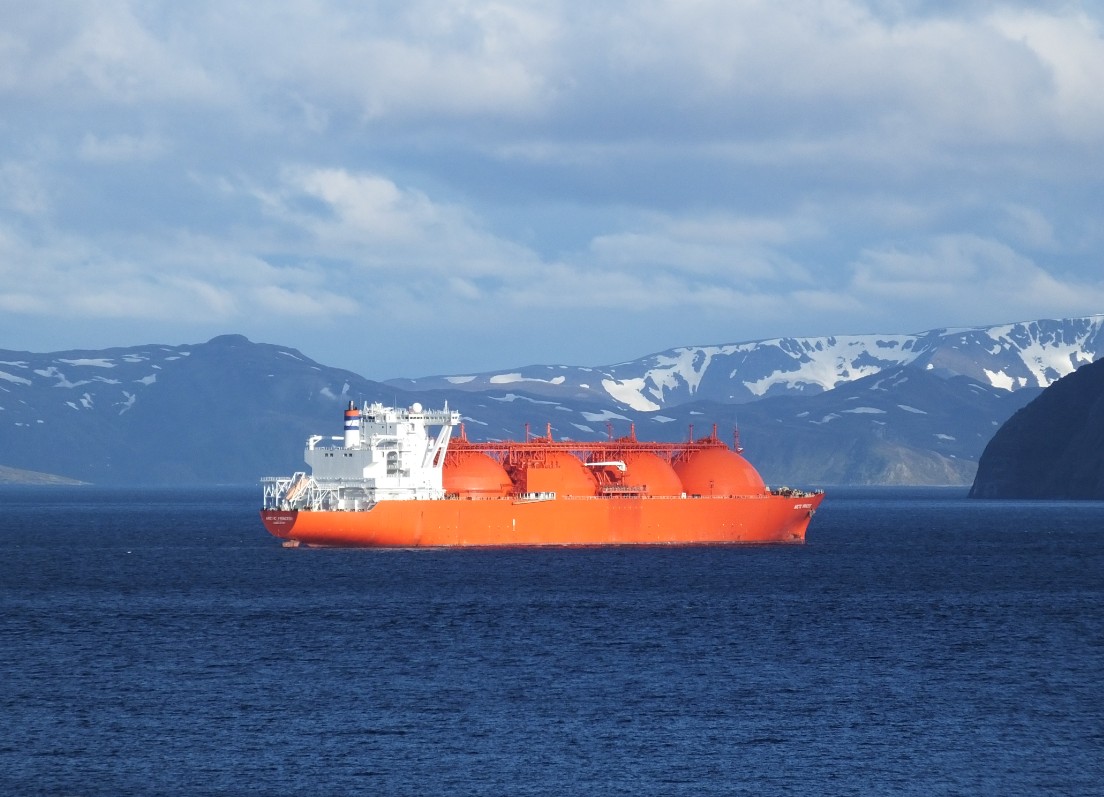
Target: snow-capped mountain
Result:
[225, 411]
[861, 410]
[1009, 357]
[202, 413]
[41, 388]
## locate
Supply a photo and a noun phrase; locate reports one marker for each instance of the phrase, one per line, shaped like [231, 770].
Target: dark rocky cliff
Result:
[1053, 447]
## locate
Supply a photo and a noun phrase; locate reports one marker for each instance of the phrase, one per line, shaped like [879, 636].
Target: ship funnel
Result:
[352, 426]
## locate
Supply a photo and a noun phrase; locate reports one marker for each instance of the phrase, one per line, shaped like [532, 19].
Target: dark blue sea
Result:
[161, 643]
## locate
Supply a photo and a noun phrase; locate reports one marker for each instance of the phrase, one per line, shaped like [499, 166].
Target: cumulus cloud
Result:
[413, 60]
[1070, 49]
[186, 280]
[90, 53]
[956, 272]
[370, 221]
[730, 249]
[629, 174]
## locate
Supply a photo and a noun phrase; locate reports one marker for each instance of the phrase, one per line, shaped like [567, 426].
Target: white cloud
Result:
[553, 177]
[185, 280]
[797, 76]
[288, 303]
[1071, 49]
[729, 248]
[1029, 226]
[368, 206]
[372, 223]
[413, 60]
[798, 84]
[963, 273]
[121, 148]
[89, 53]
[22, 189]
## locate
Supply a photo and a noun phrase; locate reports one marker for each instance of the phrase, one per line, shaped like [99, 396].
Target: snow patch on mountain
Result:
[1050, 363]
[1050, 349]
[53, 373]
[631, 393]
[604, 415]
[1002, 380]
[827, 362]
[515, 397]
[94, 362]
[19, 380]
[506, 379]
[680, 367]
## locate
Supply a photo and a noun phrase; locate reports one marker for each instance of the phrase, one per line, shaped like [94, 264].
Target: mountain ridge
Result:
[1009, 356]
[231, 411]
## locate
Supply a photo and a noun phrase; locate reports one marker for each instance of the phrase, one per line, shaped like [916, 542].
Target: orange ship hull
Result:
[557, 521]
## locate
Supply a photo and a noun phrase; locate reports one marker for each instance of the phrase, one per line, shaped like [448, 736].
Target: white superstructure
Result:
[386, 453]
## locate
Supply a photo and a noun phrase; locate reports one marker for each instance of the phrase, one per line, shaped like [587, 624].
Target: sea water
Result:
[920, 643]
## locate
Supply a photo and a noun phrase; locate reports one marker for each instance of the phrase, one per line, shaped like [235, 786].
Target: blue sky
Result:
[411, 188]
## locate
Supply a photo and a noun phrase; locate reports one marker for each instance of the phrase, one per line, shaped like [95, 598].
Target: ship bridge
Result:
[386, 453]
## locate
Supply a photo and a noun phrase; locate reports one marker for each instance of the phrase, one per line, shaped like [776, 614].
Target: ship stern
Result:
[279, 522]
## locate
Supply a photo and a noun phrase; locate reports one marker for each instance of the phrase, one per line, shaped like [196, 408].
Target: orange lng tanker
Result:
[391, 482]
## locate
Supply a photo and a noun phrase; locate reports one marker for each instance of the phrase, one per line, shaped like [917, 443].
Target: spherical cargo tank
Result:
[645, 469]
[718, 472]
[556, 472]
[473, 474]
